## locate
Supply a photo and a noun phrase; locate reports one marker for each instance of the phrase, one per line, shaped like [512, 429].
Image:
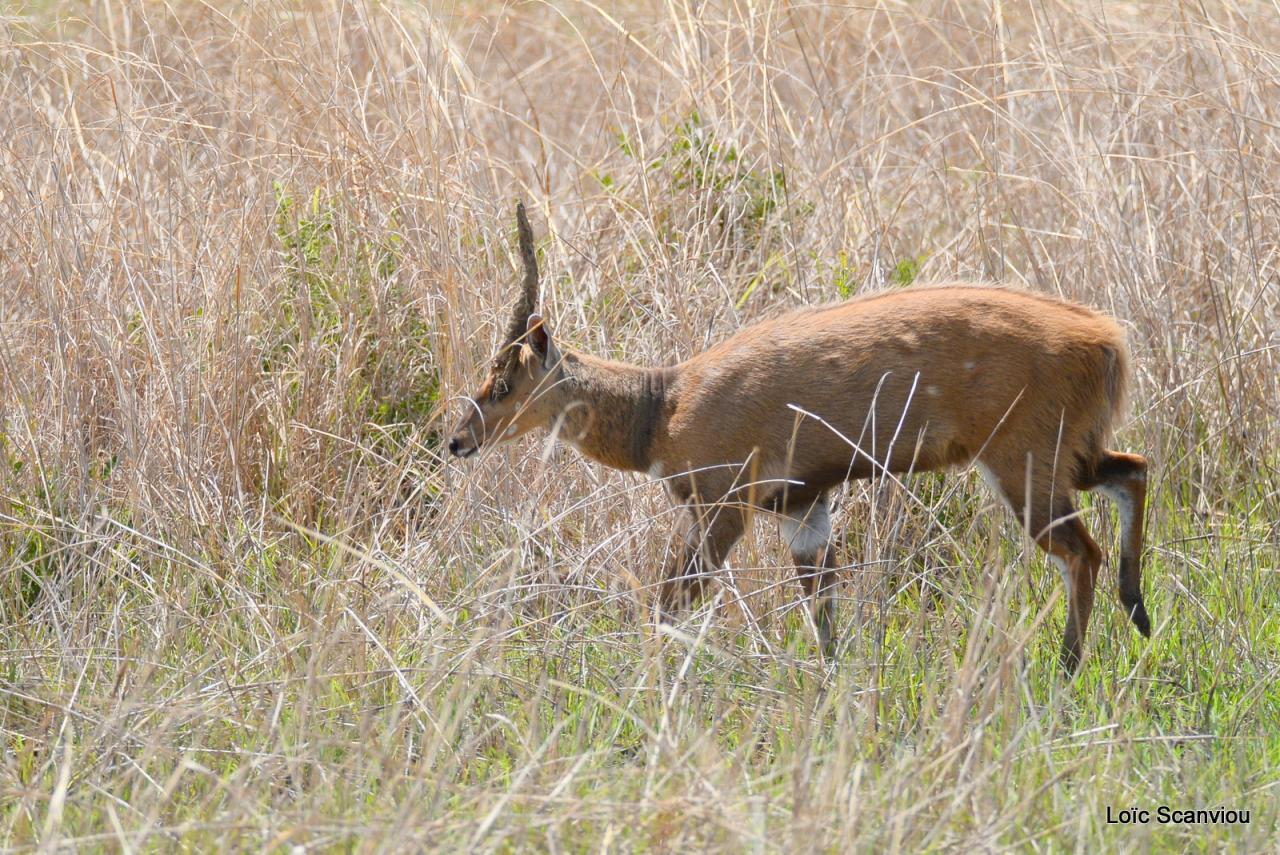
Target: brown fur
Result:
[909, 380]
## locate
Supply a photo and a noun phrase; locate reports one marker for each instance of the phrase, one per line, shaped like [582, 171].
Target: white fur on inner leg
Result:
[1061, 564]
[806, 532]
[993, 483]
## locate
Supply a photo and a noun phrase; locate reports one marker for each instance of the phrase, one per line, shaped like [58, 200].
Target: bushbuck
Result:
[1025, 386]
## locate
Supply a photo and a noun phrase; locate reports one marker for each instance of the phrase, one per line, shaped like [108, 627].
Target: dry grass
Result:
[251, 257]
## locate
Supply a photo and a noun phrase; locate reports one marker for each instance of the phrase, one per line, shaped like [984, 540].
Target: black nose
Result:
[453, 446]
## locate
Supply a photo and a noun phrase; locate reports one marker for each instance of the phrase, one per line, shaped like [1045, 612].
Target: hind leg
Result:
[1078, 557]
[1122, 478]
[1047, 512]
[806, 529]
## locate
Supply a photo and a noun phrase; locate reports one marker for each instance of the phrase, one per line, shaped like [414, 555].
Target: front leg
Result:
[703, 537]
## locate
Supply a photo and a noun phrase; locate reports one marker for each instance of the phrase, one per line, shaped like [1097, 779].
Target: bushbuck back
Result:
[1025, 386]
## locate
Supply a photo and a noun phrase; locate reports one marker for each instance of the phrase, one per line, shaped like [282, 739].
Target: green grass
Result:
[335, 710]
[255, 256]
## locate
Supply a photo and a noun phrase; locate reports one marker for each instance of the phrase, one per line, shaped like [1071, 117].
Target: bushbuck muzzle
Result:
[510, 402]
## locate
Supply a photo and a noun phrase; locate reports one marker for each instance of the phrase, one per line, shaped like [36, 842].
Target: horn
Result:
[529, 291]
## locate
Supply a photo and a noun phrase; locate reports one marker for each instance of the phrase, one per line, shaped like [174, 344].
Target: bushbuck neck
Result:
[611, 411]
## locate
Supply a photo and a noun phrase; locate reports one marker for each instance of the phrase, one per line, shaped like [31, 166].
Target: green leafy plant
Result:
[351, 324]
[841, 274]
[907, 269]
[741, 198]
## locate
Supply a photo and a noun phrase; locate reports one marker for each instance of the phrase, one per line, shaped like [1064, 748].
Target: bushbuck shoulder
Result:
[1025, 386]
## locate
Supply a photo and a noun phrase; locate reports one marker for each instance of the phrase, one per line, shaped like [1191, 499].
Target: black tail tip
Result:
[1069, 655]
[1069, 661]
[1138, 614]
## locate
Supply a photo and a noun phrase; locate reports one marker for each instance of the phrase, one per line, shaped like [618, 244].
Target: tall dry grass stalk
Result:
[252, 255]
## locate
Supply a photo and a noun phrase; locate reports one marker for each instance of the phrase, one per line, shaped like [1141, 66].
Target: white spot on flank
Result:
[807, 531]
[932, 390]
[970, 365]
[511, 430]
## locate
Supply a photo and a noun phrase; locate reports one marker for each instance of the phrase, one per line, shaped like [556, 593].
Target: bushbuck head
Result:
[516, 395]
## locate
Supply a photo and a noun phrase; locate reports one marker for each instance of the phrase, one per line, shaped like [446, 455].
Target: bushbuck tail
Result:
[1025, 386]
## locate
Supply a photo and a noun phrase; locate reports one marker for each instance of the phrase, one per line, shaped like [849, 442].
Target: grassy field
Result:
[252, 257]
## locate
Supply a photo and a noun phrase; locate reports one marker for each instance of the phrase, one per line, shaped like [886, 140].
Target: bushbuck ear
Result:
[538, 336]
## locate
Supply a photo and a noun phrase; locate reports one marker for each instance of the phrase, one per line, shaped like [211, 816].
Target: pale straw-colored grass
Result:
[253, 256]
